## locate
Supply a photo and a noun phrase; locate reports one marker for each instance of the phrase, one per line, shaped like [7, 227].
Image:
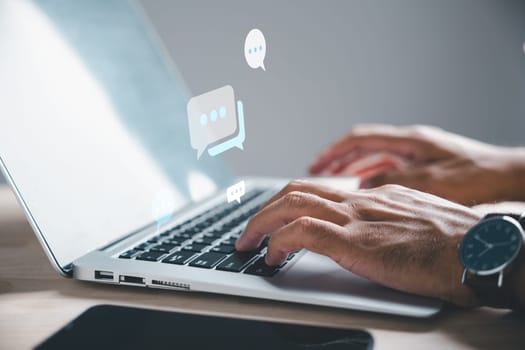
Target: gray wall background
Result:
[458, 64]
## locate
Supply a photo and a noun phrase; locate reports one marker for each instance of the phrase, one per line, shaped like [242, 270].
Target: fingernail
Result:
[271, 260]
[239, 244]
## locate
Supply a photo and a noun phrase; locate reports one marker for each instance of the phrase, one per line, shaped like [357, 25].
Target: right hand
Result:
[427, 159]
[398, 237]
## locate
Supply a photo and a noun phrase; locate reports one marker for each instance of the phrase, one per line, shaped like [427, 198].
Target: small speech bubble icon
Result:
[255, 49]
[162, 207]
[235, 192]
[212, 117]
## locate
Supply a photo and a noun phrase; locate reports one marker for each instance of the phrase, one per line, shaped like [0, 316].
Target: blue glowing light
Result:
[204, 119]
[213, 115]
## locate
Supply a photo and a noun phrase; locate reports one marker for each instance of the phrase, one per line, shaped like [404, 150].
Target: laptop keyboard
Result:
[208, 241]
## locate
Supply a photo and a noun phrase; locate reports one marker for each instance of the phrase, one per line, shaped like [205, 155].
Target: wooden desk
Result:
[35, 301]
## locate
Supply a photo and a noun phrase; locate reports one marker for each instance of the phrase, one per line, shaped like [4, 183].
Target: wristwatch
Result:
[488, 251]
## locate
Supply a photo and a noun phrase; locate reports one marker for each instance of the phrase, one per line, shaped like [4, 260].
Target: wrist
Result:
[511, 166]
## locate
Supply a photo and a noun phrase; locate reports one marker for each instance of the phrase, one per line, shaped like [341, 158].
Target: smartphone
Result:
[118, 327]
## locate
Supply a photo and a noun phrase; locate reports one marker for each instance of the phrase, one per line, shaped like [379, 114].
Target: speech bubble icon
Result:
[235, 192]
[255, 49]
[162, 207]
[212, 117]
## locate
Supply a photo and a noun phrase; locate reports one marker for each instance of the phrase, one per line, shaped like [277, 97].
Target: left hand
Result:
[398, 237]
[428, 159]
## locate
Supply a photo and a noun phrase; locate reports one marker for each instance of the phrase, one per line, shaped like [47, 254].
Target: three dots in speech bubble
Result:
[255, 49]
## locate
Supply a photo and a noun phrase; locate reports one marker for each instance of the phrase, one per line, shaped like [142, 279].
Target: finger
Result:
[368, 165]
[338, 165]
[402, 141]
[285, 210]
[322, 191]
[316, 235]
[416, 178]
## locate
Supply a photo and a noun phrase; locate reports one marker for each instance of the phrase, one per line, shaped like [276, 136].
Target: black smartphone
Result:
[117, 327]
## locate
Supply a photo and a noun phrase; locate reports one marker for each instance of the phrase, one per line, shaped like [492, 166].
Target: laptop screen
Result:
[95, 132]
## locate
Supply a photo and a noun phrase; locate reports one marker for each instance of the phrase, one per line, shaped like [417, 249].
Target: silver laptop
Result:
[94, 140]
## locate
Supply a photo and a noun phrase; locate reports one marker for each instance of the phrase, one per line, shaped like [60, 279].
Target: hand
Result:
[398, 237]
[428, 159]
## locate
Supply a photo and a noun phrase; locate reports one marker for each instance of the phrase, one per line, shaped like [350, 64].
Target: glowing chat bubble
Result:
[235, 192]
[255, 49]
[162, 207]
[212, 118]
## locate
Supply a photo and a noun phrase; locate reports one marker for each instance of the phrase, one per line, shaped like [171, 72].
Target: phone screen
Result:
[116, 327]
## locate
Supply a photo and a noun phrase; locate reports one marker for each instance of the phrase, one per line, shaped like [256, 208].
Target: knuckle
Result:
[423, 131]
[304, 224]
[363, 129]
[294, 199]
[358, 128]
[294, 185]
[389, 188]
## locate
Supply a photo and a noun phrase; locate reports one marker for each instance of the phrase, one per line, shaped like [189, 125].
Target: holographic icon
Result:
[255, 49]
[235, 192]
[162, 207]
[212, 118]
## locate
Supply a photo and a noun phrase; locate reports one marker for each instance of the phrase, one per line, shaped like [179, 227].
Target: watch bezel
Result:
[502, 267]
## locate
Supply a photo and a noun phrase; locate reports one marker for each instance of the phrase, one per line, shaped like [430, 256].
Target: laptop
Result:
[95, 132]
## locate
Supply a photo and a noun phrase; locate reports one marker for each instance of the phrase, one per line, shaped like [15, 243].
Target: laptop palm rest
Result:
[321, 278]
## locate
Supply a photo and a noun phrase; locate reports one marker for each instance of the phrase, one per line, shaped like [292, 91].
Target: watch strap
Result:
[518, 217]
[487, 290]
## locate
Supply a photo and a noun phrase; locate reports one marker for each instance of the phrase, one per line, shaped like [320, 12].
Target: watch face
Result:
[489, 246]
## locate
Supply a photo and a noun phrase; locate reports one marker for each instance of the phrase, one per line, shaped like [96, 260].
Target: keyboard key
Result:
[164, 248]
[236, 234]
[205, 240]
[229, 241]
[195, 247]
[207, 260]
[179, 258]
[174, 241]
[226, 249]
[165, 234]
[142, 246]
[182, 234]
[260, 268]
[236, 262]
[213, 234]
[218, 231]
[129, 254]
[290, 256]
[150, 256]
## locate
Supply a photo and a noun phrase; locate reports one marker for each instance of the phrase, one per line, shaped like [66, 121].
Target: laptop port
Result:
[171, 284]
[103, 275]
[131, 279]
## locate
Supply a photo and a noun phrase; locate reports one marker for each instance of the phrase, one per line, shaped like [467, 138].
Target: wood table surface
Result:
[35, 301]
